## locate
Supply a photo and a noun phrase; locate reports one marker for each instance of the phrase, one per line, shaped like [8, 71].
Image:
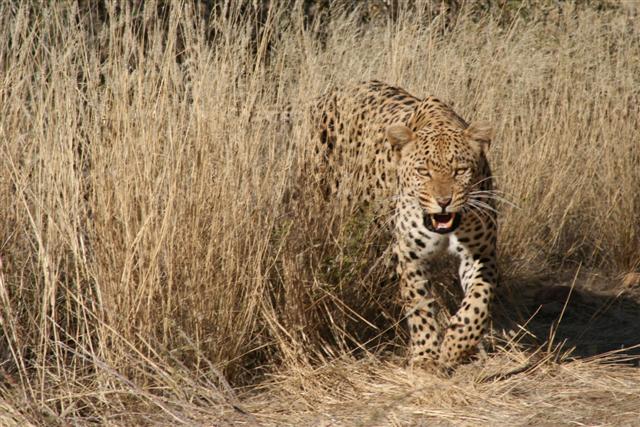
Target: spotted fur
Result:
[378, 143]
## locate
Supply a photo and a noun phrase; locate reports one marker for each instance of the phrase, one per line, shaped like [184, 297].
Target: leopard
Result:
[377, 144]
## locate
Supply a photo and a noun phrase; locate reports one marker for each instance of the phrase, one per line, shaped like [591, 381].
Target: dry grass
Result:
[165, 262]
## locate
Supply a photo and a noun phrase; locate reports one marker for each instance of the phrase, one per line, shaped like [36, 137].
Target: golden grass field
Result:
[166, 260]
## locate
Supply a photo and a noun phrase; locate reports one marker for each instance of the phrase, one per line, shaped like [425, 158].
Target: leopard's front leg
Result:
[420, 309]
[468, 325]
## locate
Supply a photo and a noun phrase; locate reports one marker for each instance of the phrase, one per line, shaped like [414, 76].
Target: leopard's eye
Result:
[460, 171]
[424, 172]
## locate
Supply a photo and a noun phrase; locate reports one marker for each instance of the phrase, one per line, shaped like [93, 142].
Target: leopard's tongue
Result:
[442, 221]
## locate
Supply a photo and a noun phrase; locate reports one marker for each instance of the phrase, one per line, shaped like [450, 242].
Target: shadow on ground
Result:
[589, 313]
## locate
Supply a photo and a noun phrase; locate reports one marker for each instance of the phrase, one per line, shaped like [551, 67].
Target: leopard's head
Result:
[441, 167]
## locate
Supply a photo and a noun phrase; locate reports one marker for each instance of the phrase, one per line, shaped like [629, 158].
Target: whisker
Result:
[494, 191]
[482, 210]
[483, 205]
[494, 196]
[501, 200]
[505, 201]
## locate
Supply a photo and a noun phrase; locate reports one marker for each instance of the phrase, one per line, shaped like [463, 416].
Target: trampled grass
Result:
[167, 260]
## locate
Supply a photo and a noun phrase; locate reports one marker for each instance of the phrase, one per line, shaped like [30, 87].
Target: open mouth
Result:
[442, 223]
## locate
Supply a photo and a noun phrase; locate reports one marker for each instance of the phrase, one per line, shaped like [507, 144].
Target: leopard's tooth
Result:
[450, 222]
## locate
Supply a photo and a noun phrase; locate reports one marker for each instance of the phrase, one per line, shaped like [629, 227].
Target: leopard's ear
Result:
[399, 135]
[481, 134]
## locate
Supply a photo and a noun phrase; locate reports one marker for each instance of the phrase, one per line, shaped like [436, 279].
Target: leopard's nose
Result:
[443, 201]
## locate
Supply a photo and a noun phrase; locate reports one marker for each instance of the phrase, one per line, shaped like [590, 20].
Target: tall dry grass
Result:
[161, 244]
